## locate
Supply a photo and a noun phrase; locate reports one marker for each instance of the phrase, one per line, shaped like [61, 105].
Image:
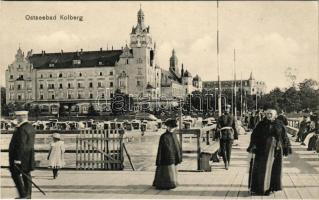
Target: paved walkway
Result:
[300, 180]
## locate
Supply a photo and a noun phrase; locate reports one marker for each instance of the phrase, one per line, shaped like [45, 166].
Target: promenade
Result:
[300, 181]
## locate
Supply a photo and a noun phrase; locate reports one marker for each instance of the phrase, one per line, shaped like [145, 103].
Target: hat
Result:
[21, 112]
[56, 135]
[171, 123]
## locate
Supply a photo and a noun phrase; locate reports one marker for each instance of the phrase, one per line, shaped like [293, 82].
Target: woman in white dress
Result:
[56, 154]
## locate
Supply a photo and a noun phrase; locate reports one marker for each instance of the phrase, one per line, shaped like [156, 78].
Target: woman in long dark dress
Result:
[168, 156]
[269, 142]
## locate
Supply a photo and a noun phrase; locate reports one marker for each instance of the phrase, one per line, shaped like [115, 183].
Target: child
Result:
[56, 154]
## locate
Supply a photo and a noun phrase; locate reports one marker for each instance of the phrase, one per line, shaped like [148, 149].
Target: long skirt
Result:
[265, 170]
[165, 177]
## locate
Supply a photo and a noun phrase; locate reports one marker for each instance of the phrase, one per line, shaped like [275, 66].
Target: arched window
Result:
[80, 74]
[60, 75]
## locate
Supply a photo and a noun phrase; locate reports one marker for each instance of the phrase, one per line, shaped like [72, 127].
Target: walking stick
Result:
[251, 172]
[29, 179]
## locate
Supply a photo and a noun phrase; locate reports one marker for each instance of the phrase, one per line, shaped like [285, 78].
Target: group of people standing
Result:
[268, 144]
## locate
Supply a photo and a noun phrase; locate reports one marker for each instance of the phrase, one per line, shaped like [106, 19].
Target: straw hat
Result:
[21, 112]
[56, 135]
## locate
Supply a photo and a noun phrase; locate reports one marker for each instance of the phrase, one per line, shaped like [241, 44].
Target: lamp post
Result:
[215, 99]
[225, 101]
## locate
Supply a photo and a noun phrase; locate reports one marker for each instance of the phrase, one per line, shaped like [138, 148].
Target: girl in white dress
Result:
[56, 154]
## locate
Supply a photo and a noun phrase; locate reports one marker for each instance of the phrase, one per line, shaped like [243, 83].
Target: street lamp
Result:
[224, 101]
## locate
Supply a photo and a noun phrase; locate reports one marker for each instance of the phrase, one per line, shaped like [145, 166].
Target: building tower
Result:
[173, 64]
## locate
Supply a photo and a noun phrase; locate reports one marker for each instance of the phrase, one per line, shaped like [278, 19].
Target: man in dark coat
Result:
[227, 133]
[21, 154]
[169, 155]
[269, 142]
[282, 118]
[303, 128]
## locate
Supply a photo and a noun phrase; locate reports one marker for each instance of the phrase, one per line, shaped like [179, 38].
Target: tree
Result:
[3, 100]
[309, 94]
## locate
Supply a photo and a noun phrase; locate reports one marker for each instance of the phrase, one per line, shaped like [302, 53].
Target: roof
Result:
[65, 59]
[197, 78]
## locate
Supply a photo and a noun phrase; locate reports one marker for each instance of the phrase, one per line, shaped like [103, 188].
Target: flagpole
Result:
[218, 70]
[235, 88]
[241, 94]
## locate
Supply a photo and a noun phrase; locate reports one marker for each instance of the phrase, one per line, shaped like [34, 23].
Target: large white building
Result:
[83, 77]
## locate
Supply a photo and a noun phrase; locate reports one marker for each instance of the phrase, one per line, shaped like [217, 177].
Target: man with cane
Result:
[21, 155]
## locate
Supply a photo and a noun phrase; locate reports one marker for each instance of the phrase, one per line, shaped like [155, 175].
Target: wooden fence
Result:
[99, 149]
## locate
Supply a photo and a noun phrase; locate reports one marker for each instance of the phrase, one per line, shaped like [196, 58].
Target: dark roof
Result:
[65, 59]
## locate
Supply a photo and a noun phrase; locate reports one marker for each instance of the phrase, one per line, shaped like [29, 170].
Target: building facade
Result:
[78, 79]
[250, 86]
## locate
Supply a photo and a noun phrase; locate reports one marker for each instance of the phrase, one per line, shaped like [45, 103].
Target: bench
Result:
[205, 156]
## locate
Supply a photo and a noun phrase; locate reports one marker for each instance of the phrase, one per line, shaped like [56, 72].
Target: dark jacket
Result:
[227, 120]
[21, 147]
[266, 129]
[283, 119]
[169, 151]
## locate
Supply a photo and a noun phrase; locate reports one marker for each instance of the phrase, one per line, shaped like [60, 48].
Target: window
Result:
[80, 74]
[69, 85]
[19, 87]
[41, 96]
[51, 65]
[91, 96]
[52, 96]
[79, 85]
[91, 85]
[101, 74]
[79, 96]
[19, 97]
[99, 84]
[138, 83]
[111, 95]
[103, 95]
[60, 75]
[111, 73]
[41, 76]
[69, 96]
[76, 62]
[50, 75]
[127, 61]
[11, 76]
[61, 86]
[41, 86]
[111, 84]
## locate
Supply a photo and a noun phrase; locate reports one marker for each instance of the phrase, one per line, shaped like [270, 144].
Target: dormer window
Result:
[76, 62]
[100, 63]
[101, 74]
[51, 65]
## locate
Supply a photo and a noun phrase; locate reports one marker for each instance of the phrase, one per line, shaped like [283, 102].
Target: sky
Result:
[268, 36]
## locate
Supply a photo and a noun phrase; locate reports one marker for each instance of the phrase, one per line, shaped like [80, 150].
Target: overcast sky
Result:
[269, 37]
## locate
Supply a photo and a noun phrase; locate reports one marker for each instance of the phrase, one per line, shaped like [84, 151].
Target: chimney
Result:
[122, 48]
[61, 51]
[112, 47]
[101, 49]
[81, 50]
[42, 53]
